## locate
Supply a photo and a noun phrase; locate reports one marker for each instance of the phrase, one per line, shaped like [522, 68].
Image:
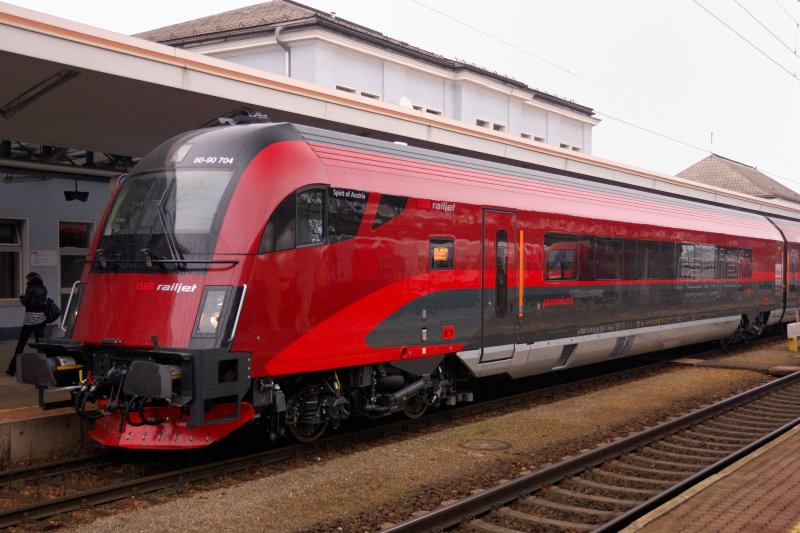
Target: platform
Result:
[26, 431]
[758, 493]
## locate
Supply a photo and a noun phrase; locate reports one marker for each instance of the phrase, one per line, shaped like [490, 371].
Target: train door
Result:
[793, 281]
[498, 295]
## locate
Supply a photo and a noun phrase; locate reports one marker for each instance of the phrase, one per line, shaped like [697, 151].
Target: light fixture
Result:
[81, 196]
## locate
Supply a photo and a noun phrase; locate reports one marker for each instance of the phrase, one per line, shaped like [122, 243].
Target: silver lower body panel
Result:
[557, 354]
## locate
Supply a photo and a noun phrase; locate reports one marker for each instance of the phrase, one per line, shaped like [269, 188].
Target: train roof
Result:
[432, 174]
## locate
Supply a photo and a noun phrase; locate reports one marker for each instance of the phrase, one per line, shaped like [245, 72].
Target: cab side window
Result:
[280, 230]
[313, 216]
[310, 217]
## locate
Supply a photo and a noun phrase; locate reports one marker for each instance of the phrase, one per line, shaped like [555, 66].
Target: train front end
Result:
[150, 327]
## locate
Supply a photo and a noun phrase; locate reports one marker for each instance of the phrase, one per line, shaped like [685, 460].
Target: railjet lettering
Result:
[446, 207]
[549, 302]
[164, 287]
[177, 287]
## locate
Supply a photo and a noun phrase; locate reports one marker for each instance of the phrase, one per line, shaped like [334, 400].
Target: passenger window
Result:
[441, 254]
[560, 256]
[668, 260]
[345, 211]
[586, 258]
[608, 258]
[501, 275]
[310, 219]
[648, 260]
[388, 208]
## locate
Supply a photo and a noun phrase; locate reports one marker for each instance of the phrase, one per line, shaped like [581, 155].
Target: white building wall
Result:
[334, 61]
[479, 104]
[270, 60]
[534, 123]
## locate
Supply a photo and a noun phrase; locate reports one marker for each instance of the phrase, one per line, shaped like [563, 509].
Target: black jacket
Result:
[35, 297]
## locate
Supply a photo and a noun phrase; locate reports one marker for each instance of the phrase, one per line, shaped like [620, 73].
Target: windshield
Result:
[165, 215]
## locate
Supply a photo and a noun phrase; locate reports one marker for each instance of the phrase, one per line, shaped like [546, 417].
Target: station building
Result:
[56, 179]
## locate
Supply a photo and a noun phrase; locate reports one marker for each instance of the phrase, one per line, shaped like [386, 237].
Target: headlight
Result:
[212, 312]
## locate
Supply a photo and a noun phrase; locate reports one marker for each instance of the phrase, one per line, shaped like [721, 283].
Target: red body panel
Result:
[172, 434]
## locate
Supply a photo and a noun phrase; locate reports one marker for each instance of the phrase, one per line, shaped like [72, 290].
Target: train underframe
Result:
[174, 399]
[162, 399]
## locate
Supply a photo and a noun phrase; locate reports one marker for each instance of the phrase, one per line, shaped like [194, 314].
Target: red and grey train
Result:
[292, 276]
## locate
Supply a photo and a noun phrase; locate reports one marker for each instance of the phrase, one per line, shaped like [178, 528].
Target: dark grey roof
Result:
[264, 18]
[728, 174]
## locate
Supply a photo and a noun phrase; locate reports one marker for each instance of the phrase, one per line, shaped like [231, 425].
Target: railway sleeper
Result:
[678, 466]
[601, 473]
[761, 419]
[564, 508]
[709, 453]
[709, 434]
[785, 399]
[668, 474]
[779, 411]
[713, 444]
[688, 458]
[732, 430]
[571, 495]
[614, 489]
[482, 526]
[512, 514]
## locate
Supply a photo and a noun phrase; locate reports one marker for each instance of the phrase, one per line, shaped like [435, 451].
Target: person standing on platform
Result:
[34, 300]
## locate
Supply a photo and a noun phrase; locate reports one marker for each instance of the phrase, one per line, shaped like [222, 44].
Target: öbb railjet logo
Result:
[147, 286]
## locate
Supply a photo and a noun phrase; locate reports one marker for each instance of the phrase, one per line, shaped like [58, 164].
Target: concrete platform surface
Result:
[760, 493]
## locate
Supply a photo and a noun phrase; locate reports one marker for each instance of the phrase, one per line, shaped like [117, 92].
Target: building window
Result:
[564, 146]
[482, 123]
[576, 149]
[346, 89]
[370, 95]
[538, 139]
[73, 245]
[499, 127]
[10, 258]
[434, 112]
[526, 135]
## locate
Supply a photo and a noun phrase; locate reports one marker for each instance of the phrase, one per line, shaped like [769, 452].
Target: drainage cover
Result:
[485, 445]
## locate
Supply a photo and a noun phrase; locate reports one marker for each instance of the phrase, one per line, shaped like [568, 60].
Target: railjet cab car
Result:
[292, 277]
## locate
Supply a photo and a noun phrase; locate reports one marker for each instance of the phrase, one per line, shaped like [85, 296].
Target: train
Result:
[290, 277]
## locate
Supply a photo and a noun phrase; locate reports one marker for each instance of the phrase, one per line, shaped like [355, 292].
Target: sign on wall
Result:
[44, 258]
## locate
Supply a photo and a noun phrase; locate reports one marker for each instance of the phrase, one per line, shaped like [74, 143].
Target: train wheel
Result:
[415, 407]
[307, 432]
[307, 423]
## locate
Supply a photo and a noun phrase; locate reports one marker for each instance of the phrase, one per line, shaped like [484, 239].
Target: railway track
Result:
[611, 486]
[44, 491]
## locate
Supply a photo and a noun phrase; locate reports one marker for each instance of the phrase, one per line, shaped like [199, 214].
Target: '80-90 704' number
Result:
[213, 160]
